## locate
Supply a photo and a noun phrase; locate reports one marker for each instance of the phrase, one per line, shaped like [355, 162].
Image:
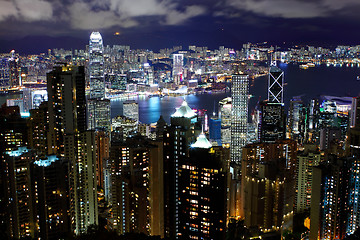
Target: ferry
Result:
[311, 64]
[304, 66]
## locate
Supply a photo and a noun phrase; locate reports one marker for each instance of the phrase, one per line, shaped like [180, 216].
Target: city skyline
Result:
[151, 24]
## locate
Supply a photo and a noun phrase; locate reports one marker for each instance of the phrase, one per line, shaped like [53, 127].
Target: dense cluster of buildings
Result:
[66, 163]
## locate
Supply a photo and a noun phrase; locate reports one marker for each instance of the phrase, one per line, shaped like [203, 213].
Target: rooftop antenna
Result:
[272, 61]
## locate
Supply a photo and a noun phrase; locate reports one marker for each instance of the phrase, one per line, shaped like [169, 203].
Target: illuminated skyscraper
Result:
[98, 114]
[329, 199]
[4, 73]
[178, 64]
[14, 70]
[275, 84]
[272, 122]
[306, 160]
[177, 140]
[96, 66]
[203, 191]
[240, 98]
[131, 110]
[68, 137]
[225, 116]
[137, 191]
[18, 192]
[267, 185]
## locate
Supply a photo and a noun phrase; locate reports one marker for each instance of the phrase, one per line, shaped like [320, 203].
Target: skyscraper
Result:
[177, 140]
[138, 186]
[178, 63]
[98, 108]
[240, 98]
[96, 66]
[68, 137]
[225, 116]
[272, 125]
[203, 191]
[131, 110]
[275, 84]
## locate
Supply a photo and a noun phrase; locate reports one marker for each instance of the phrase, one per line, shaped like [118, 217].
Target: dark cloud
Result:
[206, 20]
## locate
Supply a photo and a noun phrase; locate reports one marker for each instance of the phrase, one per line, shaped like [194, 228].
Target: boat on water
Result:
[304, 66]
[311, 64]
[358, 78]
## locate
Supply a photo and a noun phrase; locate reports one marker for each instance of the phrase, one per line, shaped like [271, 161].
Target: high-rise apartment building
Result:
[69, 138]
[267, 186]
[50, 184]
[329, 199]
[306, 160]
[203, 191]
[138, 193]
[18, 191]
[239, 119]
[177, 139]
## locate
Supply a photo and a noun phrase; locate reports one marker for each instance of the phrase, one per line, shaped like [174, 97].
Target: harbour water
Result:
[308, 83]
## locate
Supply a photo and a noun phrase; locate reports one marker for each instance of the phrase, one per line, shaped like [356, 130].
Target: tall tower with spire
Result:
[275, 84]
[96, 66]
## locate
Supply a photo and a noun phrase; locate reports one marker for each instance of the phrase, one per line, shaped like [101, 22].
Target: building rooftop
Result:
[201, 142]
[184, 111]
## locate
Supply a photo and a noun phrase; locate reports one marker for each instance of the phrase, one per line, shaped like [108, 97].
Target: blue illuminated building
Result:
[215, 129]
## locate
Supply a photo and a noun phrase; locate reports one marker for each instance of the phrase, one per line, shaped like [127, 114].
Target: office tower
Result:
[123, 127]
[118, 82]
[131, 110]
[137, 198]
[68, 137]
[215, 129]
[225, 116]
[4, 73]
[272, 122]
[98, 108]
[14, 70]
[353, 149]
[203, 192]
[178, 64]
[313, 121]
[239, 119]
[98, 114]
[96, 66]
[267, 184]
[49, 178]
[275, 84]
[306, 160]
[177, 139]
[19, 204]
[296, 125]
[329, 199]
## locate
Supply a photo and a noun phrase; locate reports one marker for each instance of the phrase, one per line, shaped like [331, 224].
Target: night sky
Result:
[31, 26]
